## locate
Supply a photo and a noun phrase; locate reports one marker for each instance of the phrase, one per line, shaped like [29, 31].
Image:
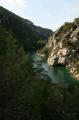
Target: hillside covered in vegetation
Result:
[27, 34]
[22, 95]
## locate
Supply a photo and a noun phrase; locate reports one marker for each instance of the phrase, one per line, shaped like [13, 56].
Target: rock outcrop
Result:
[64, 47]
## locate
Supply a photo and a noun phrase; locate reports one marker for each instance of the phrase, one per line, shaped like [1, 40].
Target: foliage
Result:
[13, 67]
[41, 42]
[65, 28]
[23, 96]
[77, 20]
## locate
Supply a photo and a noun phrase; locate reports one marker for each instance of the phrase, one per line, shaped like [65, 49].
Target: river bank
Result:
[57, 74]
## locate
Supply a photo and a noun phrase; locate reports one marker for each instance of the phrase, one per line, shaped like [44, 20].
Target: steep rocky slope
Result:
[30, 36]
[64, 47]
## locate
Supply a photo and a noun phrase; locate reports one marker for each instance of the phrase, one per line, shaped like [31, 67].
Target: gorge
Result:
[63, 47]
[58, 75]
[31, 88]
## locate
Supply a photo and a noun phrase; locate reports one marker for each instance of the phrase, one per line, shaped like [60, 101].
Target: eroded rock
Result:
[65, 49]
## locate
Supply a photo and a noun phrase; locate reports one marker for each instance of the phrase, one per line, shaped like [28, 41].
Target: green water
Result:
[58, 75]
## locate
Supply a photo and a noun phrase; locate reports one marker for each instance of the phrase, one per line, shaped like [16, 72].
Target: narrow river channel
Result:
[58, 75]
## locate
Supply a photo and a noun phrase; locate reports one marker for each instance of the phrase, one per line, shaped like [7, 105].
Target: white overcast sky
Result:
[46, 13]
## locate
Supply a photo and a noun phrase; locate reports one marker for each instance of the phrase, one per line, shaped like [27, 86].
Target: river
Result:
[58, 75]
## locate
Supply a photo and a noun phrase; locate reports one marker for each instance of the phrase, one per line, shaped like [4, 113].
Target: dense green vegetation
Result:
[77, 21]
[23, 96]
[67, 26]
[64, 29]
[13, 66]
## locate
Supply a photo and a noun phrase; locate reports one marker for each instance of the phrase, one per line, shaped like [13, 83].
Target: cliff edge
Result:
[64, 47]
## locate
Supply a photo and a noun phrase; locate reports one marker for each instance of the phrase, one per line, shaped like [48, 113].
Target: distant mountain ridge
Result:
[30, 36]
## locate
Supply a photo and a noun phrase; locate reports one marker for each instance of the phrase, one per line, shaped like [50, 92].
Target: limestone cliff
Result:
[64, 47]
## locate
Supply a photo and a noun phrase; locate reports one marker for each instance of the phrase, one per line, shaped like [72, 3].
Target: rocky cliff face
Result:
[64, 47]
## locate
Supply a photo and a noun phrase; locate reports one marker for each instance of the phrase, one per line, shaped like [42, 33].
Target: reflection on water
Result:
[58, 74]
